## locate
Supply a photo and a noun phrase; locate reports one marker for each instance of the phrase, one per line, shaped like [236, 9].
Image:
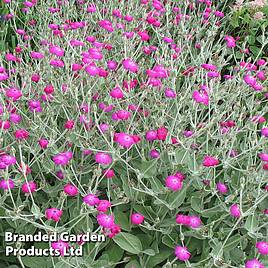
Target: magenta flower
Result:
[154, 153]
[6, 184]
[21, 134]
[53, 214]
[194, 222]
[201, 97]
[263, 156]
[60, 246]
[235, 211]
[136, 218]
[62, 159]
[130, 65]
[262, 247]
[210, 161]
[103, 158]
[254, 263]
[182, 253]
[13, 93]
[182, 219]
[91, 200]
[231, 42]
[57, 51]
[222, 188]
[124, 139]
[106, 221]
[70, 189]
[103, 205]
[29, 187]
[173, 183]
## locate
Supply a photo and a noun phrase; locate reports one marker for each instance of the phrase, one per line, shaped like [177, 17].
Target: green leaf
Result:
[251, 223]
[237, 256]
[133, 264]
[33, 262]
[36, 211]
[122, 219]
[128, 242]
[175, 199]
[157, 185]
[114, 252]
[207, 213]
[146, 211]
[147, 168]
[62, 264]
[197, 203]
[158, 258]
[149, 252]
[232, 242]
[170, 240]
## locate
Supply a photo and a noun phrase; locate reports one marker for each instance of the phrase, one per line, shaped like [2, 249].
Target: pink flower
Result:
[35, 106]
[231, 42]
[62, 159]
[53, 214]
[29, 187]
[103, 158]
[254, 263]
[137, 218]
[104, 128]
[70, 189]
[15, 118]
[151, 135]
[37, 55]
[262, 247]
[124, 139]
[6, 184]
[43, 143]
[92, 70]
[91, 200]
[108, 173]
[264, 132]
[261, 75]
[3, 76]
[169, 93]
[13, 93]
[263, 156]
[182, 219]
[222, 188]
[111, 64]
[173, 183]
[130, 65]
[182, 253]
[210, 161]
[117, 93]
[103, 205]
[154, 153]
[249, 80]
[57, 63]
[144, 35]
[194, 222]
[107, 25]
[123, 114]
[8, 160]
[209, 67]
[56, 51]
[162, 133]
[106, 221]
[235, 211]
[201, 97]
[21, 134]
[60, 246]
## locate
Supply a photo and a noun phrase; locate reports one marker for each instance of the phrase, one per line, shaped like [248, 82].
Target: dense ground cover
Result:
[145, 121]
